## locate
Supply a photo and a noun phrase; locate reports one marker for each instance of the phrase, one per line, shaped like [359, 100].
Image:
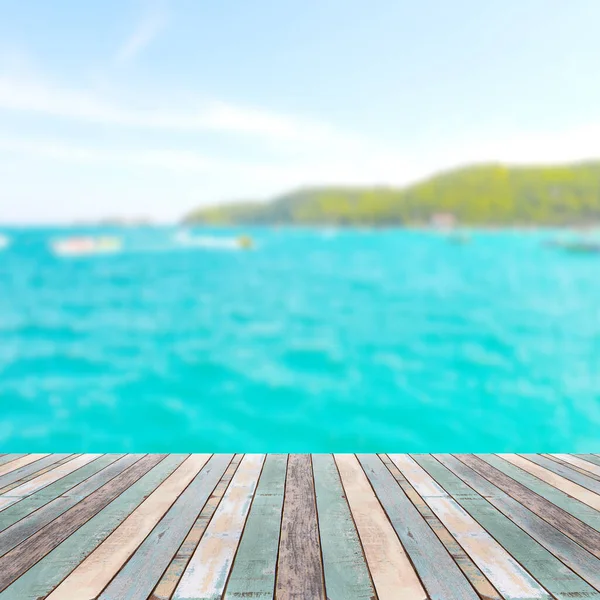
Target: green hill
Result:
[477, 195]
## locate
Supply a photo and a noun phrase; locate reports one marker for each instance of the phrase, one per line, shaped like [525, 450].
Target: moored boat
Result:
[81, 246]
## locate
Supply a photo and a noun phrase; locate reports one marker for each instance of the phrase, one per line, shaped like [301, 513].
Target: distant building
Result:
[443, 220]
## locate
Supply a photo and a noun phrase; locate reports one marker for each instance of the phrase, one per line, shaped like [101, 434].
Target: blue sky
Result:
[152, 107]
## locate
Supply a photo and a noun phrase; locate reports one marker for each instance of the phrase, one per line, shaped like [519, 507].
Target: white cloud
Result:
[152, 22]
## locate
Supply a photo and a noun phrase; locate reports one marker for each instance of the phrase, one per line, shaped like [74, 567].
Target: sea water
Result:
[320, 341]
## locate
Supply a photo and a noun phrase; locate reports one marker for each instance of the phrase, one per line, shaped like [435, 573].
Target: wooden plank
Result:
[563, 547]
[17, 561]
[440, 575]
[585, 481]
[44, 576]
[206, 574]
[541, 564]
[96, 571]
[299, 568]
[578, 531]
[505, 573]
[41, 481]
[477, 579]
[390, 568]
[346, 574]
[17, 463]
[166, 586]
[136, 580]
[574, 507]
[592, 458]
[253, 572]
[6, 458]
[569, 487]
[21, 528]
[26, 506]
[578, 463]
[32, 473]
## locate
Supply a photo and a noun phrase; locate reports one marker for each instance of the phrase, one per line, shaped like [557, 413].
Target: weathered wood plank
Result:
[44, 576]
[31, 467]
[34, 473]
[206, 574]
[6, 458]
[42, 481]
[253, 572]
[577, 463]
[472, 572]
[26, 506]
[22, 461]
[136, 580]
[88, 580]
[390, 568]
[592, 458]
[571, 553]
[586, 481]
[541, 564]
[299, 568]
[21, 528]
[571, 505]
[583, 534]
[440, 575]
[17, 561]
[346, 573]
[166, 586]
[558, 481]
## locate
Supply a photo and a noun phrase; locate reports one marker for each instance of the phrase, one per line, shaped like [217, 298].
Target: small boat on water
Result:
[243, 242]
[84, 246]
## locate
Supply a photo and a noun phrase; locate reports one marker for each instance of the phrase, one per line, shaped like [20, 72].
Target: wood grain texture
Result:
[206, 574]
[583, 534]
[166, 586]
[44, 576]
[586, 481]
[548, 570]
[299, 568]
[22, 528]
[563, 547]
[391, 570]
[136, 580]
[41, 481]
[6, 458]
[477, 579]
[88, 580]
[346, 572]
[21, 461]
[26, 506]
[579, 463]
[505, 573]
[20, 559]
[253, 573]
[440, 575]
[558, 481]
[35, 470]
[571, 505]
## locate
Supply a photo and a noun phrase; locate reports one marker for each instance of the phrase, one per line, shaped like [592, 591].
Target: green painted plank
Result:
[550, 572]
[564, 471]
[593, 458]
[22, 529]
[440, 575]
[27, 505]
[30, 469]
[570, 505]
[346, 572]
[46, 574]
[253, 571]
[136, 580]
[563, 547]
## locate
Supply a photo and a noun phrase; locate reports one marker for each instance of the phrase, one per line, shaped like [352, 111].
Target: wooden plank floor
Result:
[299, 527]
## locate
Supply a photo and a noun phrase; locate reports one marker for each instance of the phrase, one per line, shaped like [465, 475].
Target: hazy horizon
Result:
[152, 108]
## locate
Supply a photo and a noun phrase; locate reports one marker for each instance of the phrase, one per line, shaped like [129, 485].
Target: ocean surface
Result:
[315, 340]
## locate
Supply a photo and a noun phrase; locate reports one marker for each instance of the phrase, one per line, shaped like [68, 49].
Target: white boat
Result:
[82, 246]
[4, 242]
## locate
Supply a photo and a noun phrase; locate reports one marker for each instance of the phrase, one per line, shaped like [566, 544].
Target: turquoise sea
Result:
[316, 340]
